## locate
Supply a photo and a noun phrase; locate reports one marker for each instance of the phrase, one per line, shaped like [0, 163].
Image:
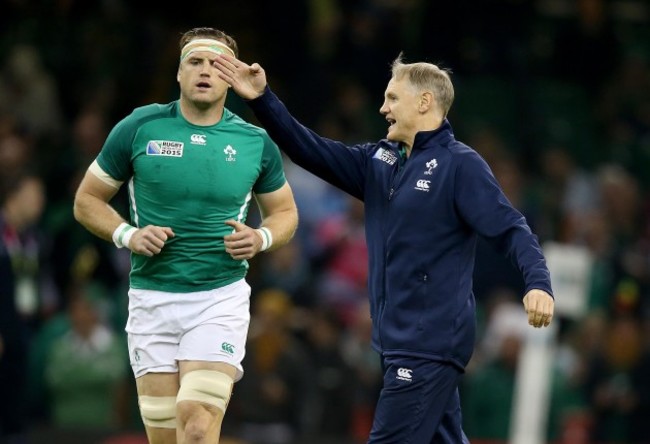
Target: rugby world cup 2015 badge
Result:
[385, 156]
[165, 148]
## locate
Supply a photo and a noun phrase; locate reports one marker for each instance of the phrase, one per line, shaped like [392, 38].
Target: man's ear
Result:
[426, 102]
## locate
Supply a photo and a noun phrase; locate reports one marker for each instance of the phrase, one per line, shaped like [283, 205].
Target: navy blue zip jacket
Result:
[422, 216]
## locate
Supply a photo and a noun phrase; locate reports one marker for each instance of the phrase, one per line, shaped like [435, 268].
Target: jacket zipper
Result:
[395, 180]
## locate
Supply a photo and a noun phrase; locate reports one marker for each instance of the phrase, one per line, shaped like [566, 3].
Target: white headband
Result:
[209, 45]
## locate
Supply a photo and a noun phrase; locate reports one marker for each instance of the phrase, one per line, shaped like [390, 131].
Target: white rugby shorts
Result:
[164, 328]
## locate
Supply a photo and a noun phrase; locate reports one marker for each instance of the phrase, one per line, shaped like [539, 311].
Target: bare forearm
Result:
[96, 215]
[283, 226]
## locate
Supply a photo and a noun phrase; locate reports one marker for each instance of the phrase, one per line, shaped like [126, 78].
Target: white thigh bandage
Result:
[158, 411]
[208, 386]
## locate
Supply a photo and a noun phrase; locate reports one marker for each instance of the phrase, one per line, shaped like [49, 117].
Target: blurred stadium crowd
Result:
[555, 94]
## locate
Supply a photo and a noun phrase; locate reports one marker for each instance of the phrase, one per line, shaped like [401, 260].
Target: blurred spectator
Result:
[22, 199]
[87, 134]
[488, 389]
[85, 367]
[325, 21]
[332, 376]
[618, 384]
[77, 255]
[16, 152]
[621, 201]
[286, 269]
[598, 239]
[343, 260]
[316, 200]
[357, 117]
[366, 372]
[503, 320]
[29, 91]
[627, 222]
[274, 401]
[624, 111]
[568, 193]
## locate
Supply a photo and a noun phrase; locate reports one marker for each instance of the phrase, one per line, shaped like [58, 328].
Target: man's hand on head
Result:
[248, 81]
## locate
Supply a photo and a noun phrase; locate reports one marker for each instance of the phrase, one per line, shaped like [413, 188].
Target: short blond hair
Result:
[427, 77]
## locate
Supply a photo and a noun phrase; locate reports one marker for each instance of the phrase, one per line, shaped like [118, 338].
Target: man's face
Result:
[198, 79]
[401, 109]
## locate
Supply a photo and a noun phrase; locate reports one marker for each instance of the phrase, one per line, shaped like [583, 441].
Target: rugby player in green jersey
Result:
[192, 169]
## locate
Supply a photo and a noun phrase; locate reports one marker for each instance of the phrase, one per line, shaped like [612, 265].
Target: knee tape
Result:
[207, 386]
[158, 411]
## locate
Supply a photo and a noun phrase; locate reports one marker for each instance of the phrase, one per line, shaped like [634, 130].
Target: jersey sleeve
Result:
[272, 176]
[115, 156]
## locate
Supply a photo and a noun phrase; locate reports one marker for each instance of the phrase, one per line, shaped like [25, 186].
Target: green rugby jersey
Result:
[192, 179]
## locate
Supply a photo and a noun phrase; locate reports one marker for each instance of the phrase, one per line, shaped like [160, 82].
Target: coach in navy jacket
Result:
[427, 197]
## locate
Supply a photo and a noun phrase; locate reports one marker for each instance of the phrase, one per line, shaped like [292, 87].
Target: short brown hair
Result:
[208, 33]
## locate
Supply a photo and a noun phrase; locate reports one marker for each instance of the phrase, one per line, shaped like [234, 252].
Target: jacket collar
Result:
[439, 136]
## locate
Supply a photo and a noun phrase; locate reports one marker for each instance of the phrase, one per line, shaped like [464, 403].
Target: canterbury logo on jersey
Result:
[197, 139]
[165, 148]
